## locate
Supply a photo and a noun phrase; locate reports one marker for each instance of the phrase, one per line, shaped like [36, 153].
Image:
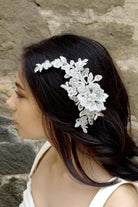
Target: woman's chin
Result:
[25, 136]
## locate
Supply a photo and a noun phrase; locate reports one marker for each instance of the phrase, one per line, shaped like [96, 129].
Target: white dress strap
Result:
[43, 149]
[27, 196]
[104, 193]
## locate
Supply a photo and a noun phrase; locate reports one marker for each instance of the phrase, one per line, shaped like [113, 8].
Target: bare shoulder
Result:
[125, 195]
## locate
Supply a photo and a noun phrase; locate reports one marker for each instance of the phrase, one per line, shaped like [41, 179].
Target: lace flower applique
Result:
[82, 88]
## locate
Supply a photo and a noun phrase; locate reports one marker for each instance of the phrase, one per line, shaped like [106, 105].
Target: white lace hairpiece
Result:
[81, 87]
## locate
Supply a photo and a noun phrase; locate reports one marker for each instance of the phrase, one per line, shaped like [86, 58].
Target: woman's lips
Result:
[14, 122]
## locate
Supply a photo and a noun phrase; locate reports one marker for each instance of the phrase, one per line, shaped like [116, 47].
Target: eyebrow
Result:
[19, 86]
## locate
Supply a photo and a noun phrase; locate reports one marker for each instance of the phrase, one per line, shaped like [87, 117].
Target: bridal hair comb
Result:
[82, 88]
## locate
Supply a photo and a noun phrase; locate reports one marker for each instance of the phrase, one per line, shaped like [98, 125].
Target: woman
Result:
[69, 93]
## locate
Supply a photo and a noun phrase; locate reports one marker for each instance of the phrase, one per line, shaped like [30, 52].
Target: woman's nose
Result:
[10, 102]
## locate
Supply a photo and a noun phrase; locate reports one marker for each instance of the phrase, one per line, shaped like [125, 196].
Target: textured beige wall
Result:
[114, 23]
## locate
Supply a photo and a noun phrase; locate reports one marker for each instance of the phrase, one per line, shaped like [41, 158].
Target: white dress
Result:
[98, 201]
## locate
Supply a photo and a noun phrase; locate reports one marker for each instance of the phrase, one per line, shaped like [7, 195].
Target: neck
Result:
[93, 168]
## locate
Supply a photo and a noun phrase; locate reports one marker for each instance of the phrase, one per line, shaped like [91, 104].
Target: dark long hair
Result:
[107, 139]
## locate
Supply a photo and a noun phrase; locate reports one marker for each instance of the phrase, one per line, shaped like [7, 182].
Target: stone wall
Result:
[114, 23]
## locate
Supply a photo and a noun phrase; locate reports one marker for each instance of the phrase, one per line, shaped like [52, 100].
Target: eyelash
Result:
[18, 94]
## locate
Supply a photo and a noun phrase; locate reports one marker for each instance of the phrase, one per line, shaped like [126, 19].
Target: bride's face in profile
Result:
[26, 114]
